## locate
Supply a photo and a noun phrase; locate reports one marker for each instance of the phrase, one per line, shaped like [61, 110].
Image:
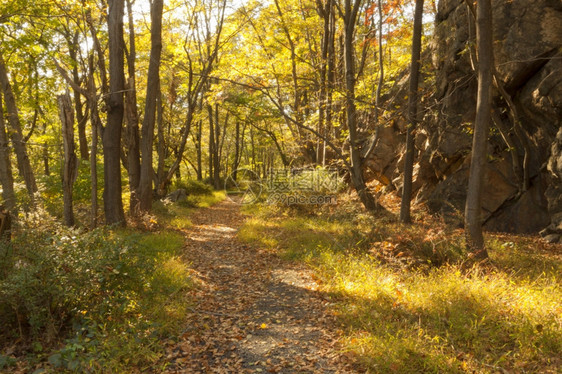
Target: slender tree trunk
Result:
[356, 165]
[412, 114]
[236, 150]
[211, 142]
[199, 151]
[160, 169]
[253, 150]
[20, 148]
[78, 107]
[113, 203]
[133, 145]
[326, 13]
[473, 209]
[95, 123]
[6, 176]
[94, 120]
[223, 136]
[152, 88]
[331, 76]
[70, 170]
[46, 159]
[216, 156]
[381, 62]
[132, 118]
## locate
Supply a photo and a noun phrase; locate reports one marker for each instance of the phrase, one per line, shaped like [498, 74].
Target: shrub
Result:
[107, 294]
[193, 187]
[50, 274]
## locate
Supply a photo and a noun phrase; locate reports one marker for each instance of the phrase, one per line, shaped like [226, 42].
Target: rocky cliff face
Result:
[524, 178]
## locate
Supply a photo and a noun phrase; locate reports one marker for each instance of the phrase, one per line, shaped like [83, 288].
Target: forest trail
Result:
[253, 312]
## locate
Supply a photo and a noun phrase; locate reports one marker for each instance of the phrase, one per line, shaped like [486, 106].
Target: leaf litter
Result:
[253, 313]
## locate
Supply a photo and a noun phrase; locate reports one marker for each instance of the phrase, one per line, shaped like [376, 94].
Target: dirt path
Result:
[254, 312]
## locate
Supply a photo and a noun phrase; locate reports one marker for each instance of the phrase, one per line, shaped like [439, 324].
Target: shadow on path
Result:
[254, 312]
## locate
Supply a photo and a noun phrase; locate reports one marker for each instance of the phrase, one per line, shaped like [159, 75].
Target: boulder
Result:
[528, 54]
[528, 59]
[554, 190]
[177, 195]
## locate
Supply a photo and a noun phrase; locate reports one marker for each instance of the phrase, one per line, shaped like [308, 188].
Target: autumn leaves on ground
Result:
[208, 285]
[252, 311]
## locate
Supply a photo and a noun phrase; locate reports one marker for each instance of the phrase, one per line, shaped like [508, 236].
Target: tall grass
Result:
[407, 305]
[94, 301]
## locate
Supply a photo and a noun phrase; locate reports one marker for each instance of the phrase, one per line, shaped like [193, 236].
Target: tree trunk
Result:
[356, 169]
[327, 38]
[94, 120]
[331, 77]
[95, 123]
[18, 143]
[70, 170]
[473, 209]
[412, 114]
[5, 225]
[160, 169]
[46, 169]
[6, 176]
[112, 200]
[211, 142]
[236, 150]
[152, 88]
[78, 107]
[381, 62]
[216, 150]
[199, 151]
[132, 118]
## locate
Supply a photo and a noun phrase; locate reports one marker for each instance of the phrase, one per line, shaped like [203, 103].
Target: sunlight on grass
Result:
[257, 231]
[205, 201]
[426, 319]
[176, 215]
[152, 304]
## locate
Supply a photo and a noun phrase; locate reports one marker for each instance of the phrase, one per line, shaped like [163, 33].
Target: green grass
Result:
[176, 215]
[147, 306]
[99, 301]
[76, 301]
[432, 316]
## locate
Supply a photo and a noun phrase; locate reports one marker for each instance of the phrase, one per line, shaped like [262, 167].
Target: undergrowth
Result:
[94, 301]
[405, 301]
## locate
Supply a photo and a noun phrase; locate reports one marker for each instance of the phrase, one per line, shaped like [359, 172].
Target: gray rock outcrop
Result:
[528, 54]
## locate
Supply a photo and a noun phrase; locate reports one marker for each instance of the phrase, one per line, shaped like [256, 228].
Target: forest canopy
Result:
[182, 178]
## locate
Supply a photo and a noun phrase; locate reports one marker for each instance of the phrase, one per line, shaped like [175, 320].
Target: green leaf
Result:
[55, 360]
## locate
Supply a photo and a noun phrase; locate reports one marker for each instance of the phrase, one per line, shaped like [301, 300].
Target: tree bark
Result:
[152, 88]
[78, 107]
[236, 150]
[112, 200]
[356, 170]
[24, 166]
[70, 170]
[95, 123]
[5, 225]
[162, 149]
[412, 114]
[93, 168]
[132, 118]
[211, 142]
[216, 151]
[473, 208]
[6, 176]
[199, 151]
[325, 12]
